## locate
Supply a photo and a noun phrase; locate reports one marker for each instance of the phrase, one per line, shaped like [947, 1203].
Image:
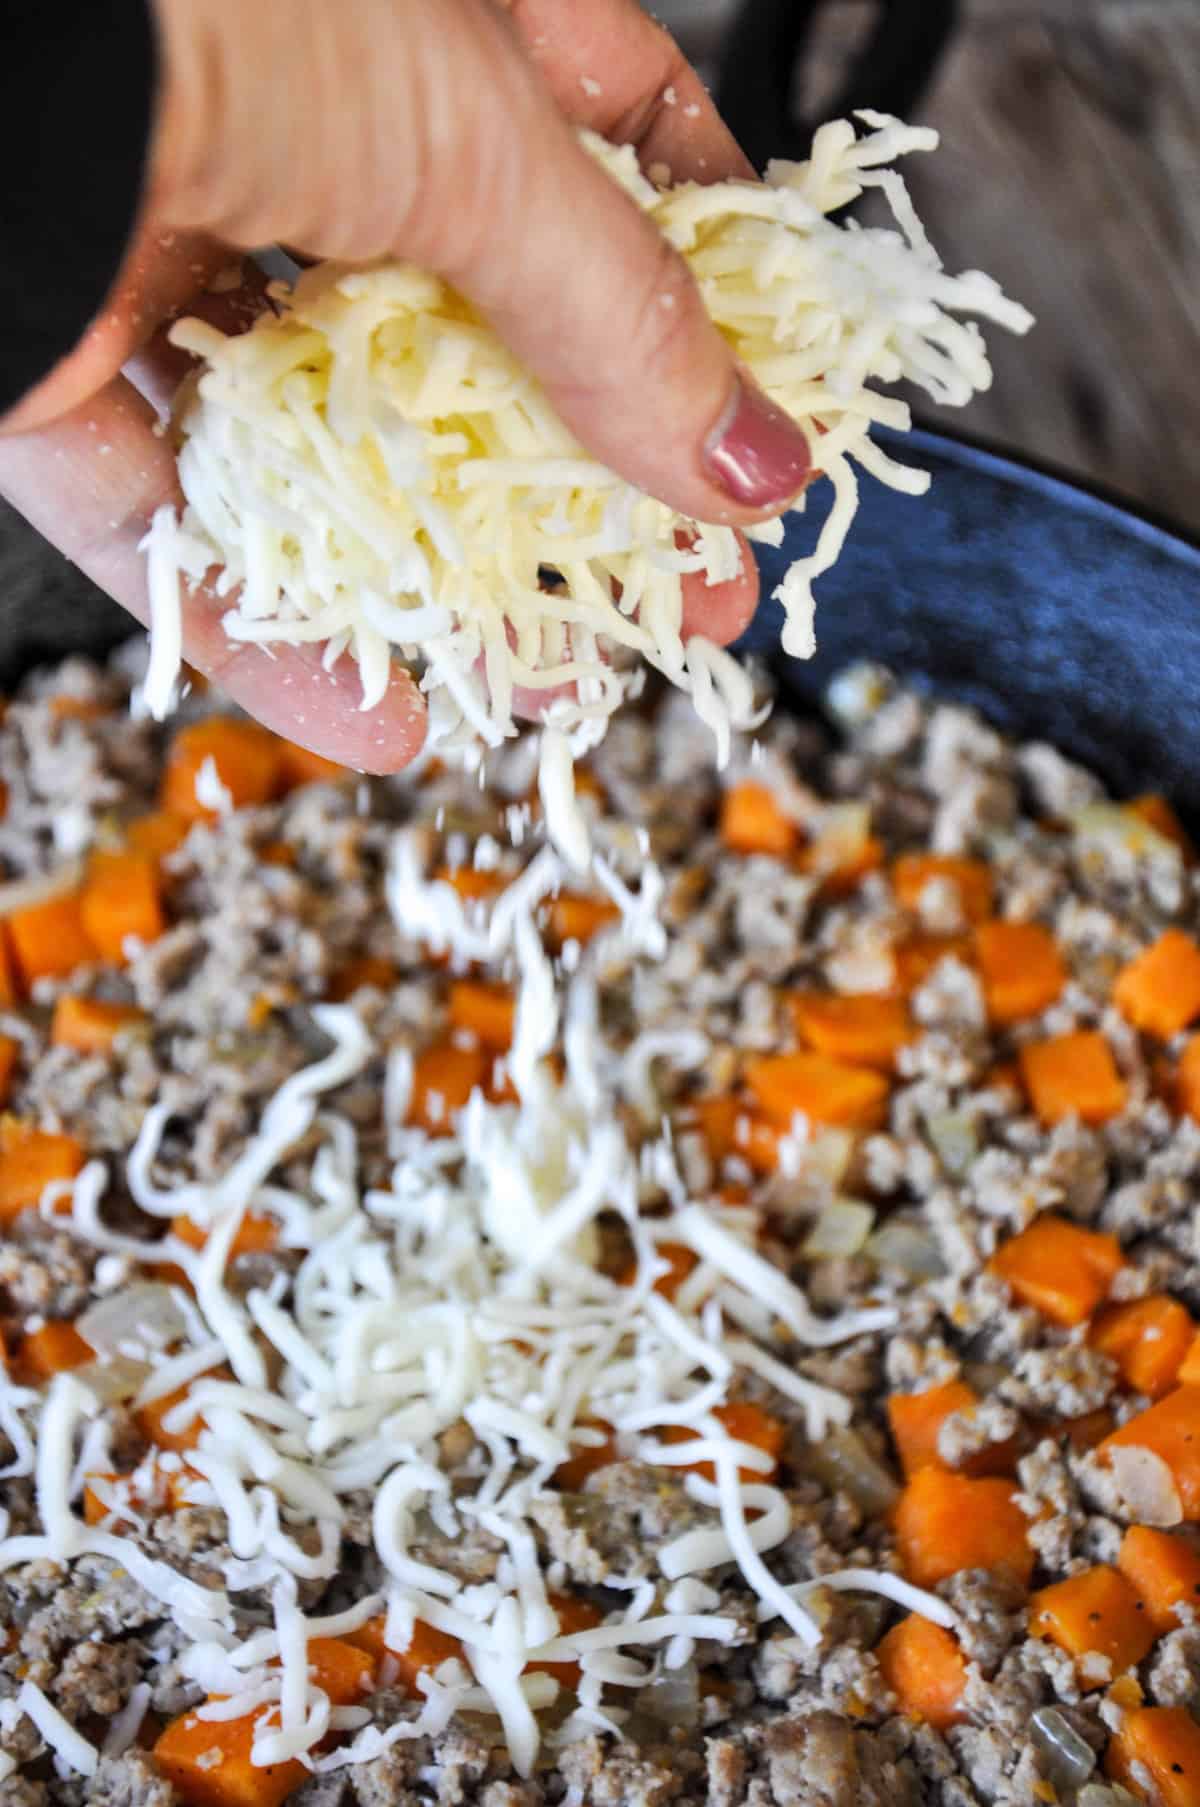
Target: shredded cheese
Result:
[371, 469]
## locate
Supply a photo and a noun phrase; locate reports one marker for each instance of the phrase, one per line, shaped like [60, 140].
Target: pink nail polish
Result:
[756, 452]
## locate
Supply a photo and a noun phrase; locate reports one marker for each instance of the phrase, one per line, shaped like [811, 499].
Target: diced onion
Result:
[1069, 1759]
[841, 1230]
[908, 1247]
[843, 1463]
[1115, 823]
[142, 1314]
[112, 1382]
[953, 1136]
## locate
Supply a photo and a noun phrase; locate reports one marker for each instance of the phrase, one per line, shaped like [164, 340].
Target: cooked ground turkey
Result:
[267, 909]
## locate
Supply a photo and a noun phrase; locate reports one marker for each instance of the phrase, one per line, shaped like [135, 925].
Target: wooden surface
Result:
[1070, 169]
[1072, 173]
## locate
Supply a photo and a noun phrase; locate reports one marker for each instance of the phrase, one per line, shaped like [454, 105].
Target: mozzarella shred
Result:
[369, 467]
[73, 1750]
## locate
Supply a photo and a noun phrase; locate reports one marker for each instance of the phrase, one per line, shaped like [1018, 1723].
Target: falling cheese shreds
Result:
[464, 1290]
[368, 467]
[70, 1746]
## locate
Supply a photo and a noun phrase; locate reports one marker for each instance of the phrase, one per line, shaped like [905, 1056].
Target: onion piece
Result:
[909, 1247]
[842, 1462]
[114, 1381]
[40, 887]
[954, 1137]
[1069, 1758]
[1116, 824]
[1146, 1485]
[146, 1314]
[843, 832]
[840, 1230]
[673, 1697]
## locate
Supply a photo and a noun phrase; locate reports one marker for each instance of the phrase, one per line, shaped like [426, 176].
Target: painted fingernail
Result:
[756, 452]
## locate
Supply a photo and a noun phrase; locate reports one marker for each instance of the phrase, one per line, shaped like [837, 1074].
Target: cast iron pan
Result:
[1062, 615]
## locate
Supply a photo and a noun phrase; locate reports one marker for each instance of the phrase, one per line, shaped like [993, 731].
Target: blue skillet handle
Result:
[767, 40]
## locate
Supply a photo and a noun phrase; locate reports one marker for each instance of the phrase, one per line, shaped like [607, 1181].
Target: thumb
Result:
[589, 295]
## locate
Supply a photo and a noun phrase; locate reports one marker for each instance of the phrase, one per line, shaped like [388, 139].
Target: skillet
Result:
[1061, 614]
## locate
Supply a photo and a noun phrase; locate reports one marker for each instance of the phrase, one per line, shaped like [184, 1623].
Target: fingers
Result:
[91, 482]
[721, 612]
[587, 293]
[455, 156]
[610, 66]
[158, 368]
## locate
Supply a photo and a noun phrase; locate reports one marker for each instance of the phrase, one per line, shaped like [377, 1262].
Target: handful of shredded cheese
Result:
[371, 467]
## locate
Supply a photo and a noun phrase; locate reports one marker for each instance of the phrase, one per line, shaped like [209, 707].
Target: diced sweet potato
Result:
[1148, 1338]
[1163, 1569]
[1170, 1430]
[1159, 991]
[818, 1088]
[866, 1029]
[10, 1053]
[208, 1764]
[1061, 1269]
[425, 1651]
[255, 1235]
[157, 833]
[1073, 1075]
[972, 879]
[444, 1076]
[55, 1348]
[916, 1420]
[1164, 1744]
[945, 1522]
[681, 1261]
[746, 1423]
[925, 1669]
[246, 758]
[1094, 1612]
[91, 1025]
[300, 765]
[121, 901]
[573, 917]
[916, 957]
[1187, 1079]
[49, 939]
[754, 821]
[733, 1126]
[574, 1614]
[367, 969]
[30, 1160]
[587, 1459]
[487, 1011]
[1021, 969]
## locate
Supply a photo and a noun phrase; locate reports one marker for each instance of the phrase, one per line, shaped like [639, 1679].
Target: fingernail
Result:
[756, 452]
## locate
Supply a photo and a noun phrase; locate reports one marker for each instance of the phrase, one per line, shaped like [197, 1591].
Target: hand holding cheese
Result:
[439, 131]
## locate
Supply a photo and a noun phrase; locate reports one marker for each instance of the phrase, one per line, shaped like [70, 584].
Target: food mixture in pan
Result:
[719, 1330]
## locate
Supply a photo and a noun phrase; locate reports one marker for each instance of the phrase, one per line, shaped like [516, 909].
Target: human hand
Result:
[438, 131]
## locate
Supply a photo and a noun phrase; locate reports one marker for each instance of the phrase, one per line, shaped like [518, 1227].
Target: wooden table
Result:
[1071, 171]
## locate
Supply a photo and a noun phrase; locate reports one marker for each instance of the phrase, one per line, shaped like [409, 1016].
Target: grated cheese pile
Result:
[467, 1289]
[373, 470]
